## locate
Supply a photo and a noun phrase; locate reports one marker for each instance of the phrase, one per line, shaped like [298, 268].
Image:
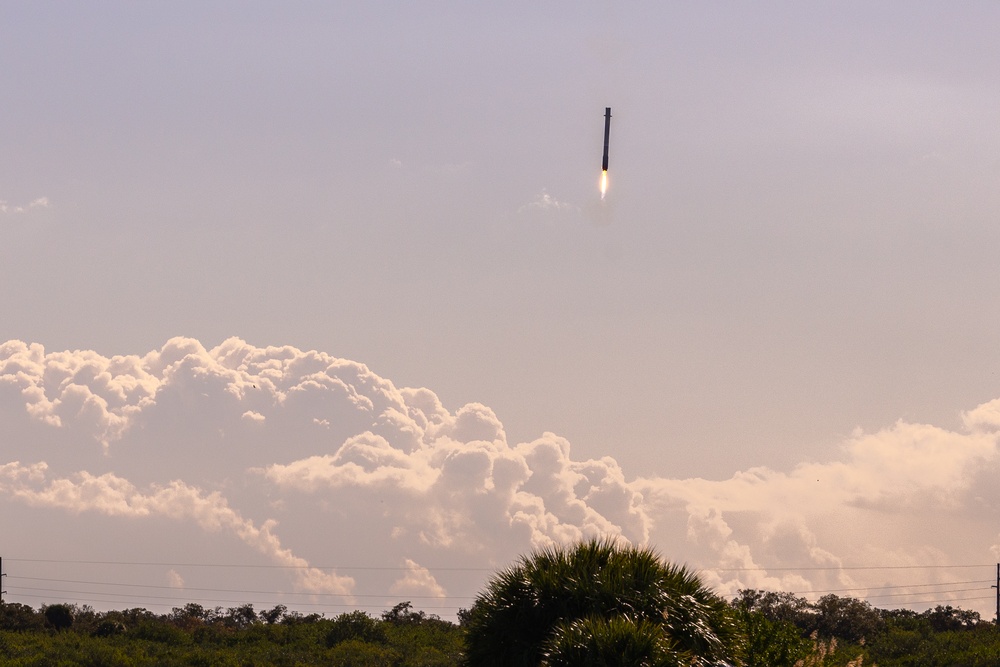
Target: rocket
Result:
[607, 133]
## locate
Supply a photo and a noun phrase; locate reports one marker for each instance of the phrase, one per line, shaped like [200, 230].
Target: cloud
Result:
[174, 579]
[111, 495]
[879, 504]
[985, 417]
[546, 203]
[308, 459]
[253, 417]
[14, 209]
[417, 581]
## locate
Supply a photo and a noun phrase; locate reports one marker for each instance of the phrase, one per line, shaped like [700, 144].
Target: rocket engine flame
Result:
[604, 160]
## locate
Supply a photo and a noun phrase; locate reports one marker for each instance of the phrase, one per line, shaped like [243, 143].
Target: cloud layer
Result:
[305, 461]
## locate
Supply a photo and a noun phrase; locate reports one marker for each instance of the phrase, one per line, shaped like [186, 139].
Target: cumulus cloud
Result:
[310, 460]
[879, 504]
[417, 581]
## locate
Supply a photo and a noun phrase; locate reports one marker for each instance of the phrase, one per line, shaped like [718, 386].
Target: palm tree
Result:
[613, 641]
[592, 599]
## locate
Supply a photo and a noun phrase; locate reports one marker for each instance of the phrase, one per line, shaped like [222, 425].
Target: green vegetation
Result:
[193, 635]
[782, 630]
[595, 604]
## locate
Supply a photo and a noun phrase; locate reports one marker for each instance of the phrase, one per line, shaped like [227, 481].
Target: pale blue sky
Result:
[800, 236]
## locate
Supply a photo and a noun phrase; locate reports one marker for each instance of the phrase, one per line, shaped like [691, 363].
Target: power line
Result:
[869, 588]
[804, 568]
[831, 568]
[871, 593]
[939, 601]
[173, 597]
[248, 565]
[233, 590]
[943, 595]
[213, 600]
[897, 595]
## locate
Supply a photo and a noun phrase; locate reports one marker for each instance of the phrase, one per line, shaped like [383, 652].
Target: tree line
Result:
[596, 604]
[784, 629]
[66, 634]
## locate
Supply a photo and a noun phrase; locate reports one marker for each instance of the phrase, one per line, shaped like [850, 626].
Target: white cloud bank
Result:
[307, 460]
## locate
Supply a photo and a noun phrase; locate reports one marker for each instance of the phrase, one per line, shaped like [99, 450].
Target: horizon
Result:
[237, 455]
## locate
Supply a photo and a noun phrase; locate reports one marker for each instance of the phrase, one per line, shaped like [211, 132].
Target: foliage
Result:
[403, 614]
[194, 635]
[615, 641]
[847, 618]
[825, 654]
[846, 631]
[946, 618]
[58, 616]
[273, 615]
[358, 653]
[519, 616]
[977, 646]
[774, 606]
[356, 625]
[769, 643]
[20, 617]
[620, 627]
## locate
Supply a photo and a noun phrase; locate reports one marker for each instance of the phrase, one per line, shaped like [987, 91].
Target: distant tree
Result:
[403, 614]
[273, 615]
[779, 607]
[904, 619]
[19, 617]
[134, 616]
[240, 617]
[769, 643]
[543, 608]
[109, 627]
[191, 616]
[296, 618]
[59, 616]
[847, 618]
[190, 610]
[85, 618]
[944, 618]
[831, 616]
[355, 625]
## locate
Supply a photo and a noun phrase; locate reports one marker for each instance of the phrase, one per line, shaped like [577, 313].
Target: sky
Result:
[319, 303]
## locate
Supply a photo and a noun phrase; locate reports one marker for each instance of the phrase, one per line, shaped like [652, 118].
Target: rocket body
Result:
[607, 134]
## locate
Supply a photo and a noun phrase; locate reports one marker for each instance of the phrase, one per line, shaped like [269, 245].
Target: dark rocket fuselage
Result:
[607, 134]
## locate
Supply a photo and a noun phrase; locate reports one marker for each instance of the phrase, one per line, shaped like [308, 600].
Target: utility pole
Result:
[4, 574]
[998, 594]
